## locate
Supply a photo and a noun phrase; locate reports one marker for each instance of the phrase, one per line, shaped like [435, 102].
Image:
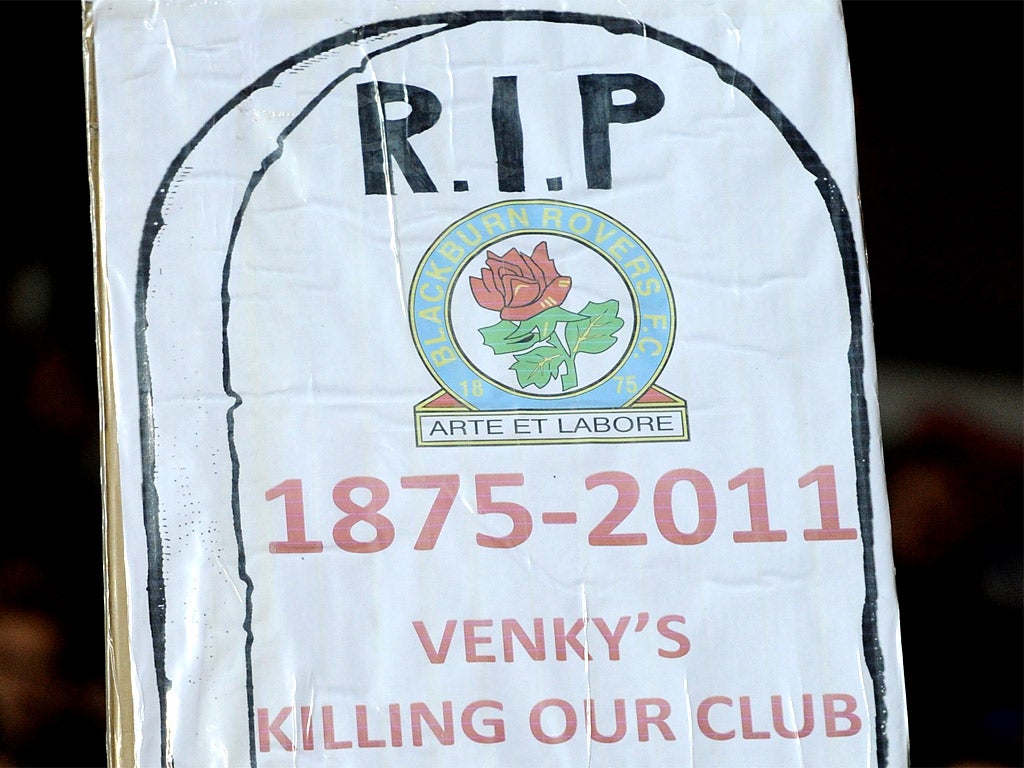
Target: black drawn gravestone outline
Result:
[838, 213]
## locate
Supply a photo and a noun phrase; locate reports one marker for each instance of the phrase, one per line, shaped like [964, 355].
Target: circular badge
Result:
[541, 304]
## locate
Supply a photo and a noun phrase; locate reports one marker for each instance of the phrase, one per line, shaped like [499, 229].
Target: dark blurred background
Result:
[938, 96]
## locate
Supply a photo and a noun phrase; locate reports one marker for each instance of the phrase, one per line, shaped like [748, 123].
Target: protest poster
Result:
[488, 386]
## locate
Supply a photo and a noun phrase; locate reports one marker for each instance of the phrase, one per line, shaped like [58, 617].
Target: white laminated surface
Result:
[494, 386]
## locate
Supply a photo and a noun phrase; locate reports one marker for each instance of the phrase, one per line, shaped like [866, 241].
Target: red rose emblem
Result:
[520, 286]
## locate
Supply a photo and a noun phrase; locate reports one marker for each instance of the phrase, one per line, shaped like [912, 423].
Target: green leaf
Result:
[538, 366]
[544, 323]
[505, 336]
[595, 333]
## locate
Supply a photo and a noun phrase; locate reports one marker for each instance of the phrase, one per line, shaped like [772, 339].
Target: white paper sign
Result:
[493, 386]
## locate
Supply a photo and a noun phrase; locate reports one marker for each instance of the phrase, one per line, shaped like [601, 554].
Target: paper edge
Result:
[120, 737]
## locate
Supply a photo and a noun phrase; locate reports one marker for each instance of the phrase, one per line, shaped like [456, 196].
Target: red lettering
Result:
[645, 720]
[747, 721]
[563, 639]
[537, 729]
[757, 502]
[620, 722]
[306, 716]
[329, 742]
[435, 654]
[612, 638]
[420, 714]
[707, 506]
[828, 506]
[846, 713]
[469, 627]
[496, 724]
[295, 519]
[704, 718]
[395, 721]
[682, 641]
[778, 719]
[535, 649]
[362, 730]
[267, 729]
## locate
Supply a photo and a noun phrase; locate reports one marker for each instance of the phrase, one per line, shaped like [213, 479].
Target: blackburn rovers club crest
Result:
[543, 322]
